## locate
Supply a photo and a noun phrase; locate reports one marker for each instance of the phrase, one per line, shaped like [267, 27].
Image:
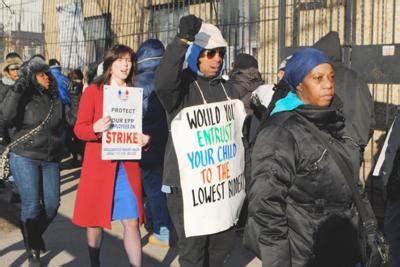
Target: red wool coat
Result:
[94, 200]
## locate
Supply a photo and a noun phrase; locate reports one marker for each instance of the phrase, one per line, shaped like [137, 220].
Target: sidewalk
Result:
[67, 243]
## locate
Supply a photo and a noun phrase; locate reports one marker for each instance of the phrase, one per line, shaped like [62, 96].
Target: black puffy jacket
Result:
[5, 85]
[296, 186]
[245, 81]
[27, 109]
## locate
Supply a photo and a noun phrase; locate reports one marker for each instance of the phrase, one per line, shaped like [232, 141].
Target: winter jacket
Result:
[176, 89]
[358, 108]
[296, 185]
[94, 198]
[62, 85]
[388, 163]
[5, 85]
[245, 81]
[26, 109]
[154, 117]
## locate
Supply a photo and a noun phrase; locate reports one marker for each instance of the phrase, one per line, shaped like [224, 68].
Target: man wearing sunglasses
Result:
[203, 48]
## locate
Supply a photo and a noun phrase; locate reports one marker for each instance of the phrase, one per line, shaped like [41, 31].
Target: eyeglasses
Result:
[210, 53]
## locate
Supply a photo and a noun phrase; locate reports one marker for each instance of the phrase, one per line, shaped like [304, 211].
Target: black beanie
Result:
[244, 61]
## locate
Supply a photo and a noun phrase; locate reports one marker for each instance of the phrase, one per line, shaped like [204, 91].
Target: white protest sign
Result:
[124, 106]
[208, 143]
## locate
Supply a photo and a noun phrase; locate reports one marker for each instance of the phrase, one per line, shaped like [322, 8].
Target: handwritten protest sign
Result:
[208, 144]
[122, 140]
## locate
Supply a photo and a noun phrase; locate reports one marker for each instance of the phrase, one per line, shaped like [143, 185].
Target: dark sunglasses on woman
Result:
[210, 53]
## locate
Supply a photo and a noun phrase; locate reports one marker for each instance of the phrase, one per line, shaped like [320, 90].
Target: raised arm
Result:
[168, 75]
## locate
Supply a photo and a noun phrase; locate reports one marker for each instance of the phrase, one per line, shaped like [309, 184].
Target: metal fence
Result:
[77, 32]
[21, 28]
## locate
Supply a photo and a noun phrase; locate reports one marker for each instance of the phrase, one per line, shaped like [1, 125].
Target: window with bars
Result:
[97, 35]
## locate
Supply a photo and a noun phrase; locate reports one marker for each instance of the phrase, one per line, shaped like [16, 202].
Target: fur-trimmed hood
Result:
[9, 62]
[29, 69]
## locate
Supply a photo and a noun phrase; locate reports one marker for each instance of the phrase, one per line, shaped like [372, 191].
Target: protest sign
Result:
[124, 106]
[208, 143]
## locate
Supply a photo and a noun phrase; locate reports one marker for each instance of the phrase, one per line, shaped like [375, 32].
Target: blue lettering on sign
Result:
[201, 158]
[226, 152]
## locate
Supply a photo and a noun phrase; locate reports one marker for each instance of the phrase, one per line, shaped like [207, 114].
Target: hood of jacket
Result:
[149, 55]
[9, 62]
[192, 60]
[330, 45]
[62, 85]
[29, 69]
[248, 79]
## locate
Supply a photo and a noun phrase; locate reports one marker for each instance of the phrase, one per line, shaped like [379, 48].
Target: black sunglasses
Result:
[210, 53]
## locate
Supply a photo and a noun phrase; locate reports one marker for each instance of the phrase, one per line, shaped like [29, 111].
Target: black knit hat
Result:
[13, 55]
[244, 61]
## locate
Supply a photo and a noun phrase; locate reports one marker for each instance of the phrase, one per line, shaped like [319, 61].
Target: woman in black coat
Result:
[35, 162]
[298, 195]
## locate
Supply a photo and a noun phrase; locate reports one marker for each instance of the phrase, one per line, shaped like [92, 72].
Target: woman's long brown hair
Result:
[112, 55]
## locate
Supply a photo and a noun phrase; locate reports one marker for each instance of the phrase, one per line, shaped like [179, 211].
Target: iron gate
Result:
[77, 32]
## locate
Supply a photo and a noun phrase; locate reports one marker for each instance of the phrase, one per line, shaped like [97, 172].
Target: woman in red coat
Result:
[108, 189]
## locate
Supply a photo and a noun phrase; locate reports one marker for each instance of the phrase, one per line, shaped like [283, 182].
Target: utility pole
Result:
[18, 39]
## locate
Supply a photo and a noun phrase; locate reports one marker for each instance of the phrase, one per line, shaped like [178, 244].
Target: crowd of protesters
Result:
[297, 207]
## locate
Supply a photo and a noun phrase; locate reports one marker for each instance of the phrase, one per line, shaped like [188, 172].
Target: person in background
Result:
[63, 94]
[387, 168]
[297, 190]
[245, 78]
[10, 74]
[62, 81]
[108, 189]
[177, 89]
[76, 77]
[75, 145]
[263, 99]
[89, 74]
[358, 105]
[35, 162]
[155, 125]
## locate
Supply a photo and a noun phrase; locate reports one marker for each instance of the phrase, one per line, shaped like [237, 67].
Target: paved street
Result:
[66, 242]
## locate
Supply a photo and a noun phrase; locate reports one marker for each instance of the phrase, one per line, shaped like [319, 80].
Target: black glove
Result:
[20, 85]
[189, 26]
[258, 109]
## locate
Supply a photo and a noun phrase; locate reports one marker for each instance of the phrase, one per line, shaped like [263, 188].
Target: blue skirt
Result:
[124, 204]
